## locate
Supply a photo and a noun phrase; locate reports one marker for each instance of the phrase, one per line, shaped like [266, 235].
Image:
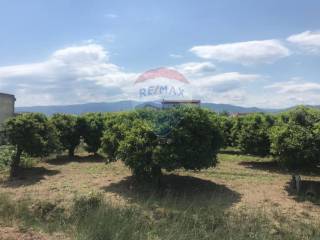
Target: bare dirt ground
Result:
[238, 181]
[9, 233]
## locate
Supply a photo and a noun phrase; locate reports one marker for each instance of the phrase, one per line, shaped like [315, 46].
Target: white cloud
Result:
[293, 92]
[111, 15]
[294, 87]
[84, 73]
[74, 74]
[196, 68]
[310, 41]
[226, 81]
[246, 53]
[172, 55]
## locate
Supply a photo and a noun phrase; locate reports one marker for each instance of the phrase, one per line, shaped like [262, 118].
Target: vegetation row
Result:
[150, 141]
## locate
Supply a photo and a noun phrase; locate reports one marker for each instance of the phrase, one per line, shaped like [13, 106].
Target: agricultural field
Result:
[180, 173]
[244, 197]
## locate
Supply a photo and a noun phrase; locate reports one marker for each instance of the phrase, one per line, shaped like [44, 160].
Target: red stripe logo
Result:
[161, 73]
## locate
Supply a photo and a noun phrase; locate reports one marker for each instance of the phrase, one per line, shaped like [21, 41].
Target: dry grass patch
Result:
[239, 183]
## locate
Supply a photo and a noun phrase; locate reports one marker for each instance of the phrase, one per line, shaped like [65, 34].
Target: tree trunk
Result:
[156, 175]
[71, 152]
[15, 164]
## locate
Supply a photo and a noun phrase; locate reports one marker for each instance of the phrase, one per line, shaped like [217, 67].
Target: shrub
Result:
[68, 131]
[191, 141]
[6, 155]
[92, 127]
[301, 115]
[137, 150]
[295, 146]
[235, 130]
[226, 125]
[295, 140]
[254, 136]
[32, 134]
[116, 126]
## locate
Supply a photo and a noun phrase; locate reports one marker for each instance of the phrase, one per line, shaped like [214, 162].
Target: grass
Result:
[90, 217]
[244, 197]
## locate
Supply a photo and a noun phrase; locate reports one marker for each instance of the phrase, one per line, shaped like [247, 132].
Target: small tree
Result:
[295, 146]
[295, 139]
[191, 141]
[226, 125]
[235, 130]
[68, 131]
[254, 134]
[116, 127]
[92, 127]
[32, 134]
[137, 150]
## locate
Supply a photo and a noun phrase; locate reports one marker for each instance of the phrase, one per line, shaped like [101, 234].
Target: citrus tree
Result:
[254, 134]
[32, 134]
[295, 139]
[92, 127]
[68, 131]
[186, 138]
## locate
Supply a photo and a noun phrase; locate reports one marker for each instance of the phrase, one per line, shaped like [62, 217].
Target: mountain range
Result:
[129, 105]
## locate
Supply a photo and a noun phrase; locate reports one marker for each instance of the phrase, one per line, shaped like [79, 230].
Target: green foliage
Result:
[301, 115]
[148, 141]
[295, 146]
[193, 142]
[226, 125]
[92, 127]
[235, 130]
[295, 140]
[68, 131]
[6, 155]
[137, 150]
[116, 126]
[254, 136]
[32, 134]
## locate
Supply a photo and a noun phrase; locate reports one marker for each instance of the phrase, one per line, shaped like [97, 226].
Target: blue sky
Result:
[248, 53]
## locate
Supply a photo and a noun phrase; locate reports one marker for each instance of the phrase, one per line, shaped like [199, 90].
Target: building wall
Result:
[6, 107]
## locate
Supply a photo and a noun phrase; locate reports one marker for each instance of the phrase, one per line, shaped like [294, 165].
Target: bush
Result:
[137, 150]
[301, 116]
[226, 125]
[92, 127]
[235, 130]
[254, 136]
[295, 140]
[6, 155]
[116, 126]
[32, 134]
[68, 131]
[191, 141]
[295, 146]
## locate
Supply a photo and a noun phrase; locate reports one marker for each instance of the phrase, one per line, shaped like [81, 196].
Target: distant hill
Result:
[235, 109]
[129, 105]
[82, 108]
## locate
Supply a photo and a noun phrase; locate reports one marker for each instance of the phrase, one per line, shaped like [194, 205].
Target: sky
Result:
[247, 53]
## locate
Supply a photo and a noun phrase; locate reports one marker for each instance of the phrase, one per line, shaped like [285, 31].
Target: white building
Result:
[173, 103]
[6, 107]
